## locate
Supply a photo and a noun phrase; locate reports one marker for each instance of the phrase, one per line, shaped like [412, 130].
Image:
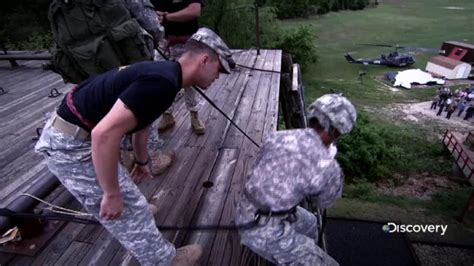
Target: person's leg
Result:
[192, 104]
[440, 110]
[190, 96]
[70, 160]
[279, 242]
[306, 223]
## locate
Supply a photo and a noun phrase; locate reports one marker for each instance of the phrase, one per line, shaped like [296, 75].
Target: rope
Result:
[258, 69]
[55, 208]
[69, 215]
[73, 218]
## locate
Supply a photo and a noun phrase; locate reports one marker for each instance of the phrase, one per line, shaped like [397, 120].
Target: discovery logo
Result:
[414, 228]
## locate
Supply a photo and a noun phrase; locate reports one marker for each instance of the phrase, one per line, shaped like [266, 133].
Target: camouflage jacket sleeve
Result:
[144, 12]
[326, 186]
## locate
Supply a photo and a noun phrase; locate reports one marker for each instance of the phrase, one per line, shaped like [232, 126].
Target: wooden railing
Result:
[465, 163]
[470, 139]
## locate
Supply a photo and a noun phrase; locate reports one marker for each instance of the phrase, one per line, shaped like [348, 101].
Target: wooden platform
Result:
[223, 156]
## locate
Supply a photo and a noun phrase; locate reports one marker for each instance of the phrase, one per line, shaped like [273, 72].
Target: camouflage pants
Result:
[70, 160]
[190, 96]
[283, 240]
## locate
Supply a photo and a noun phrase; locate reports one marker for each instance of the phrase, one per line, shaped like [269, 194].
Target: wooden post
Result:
[13, 63]
[285, 87]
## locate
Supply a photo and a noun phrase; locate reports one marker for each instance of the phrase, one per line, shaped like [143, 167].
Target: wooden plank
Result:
[26, 85]
[210, 204]
[24, 105]
[271, 120]
[102, 251]
[215, 205]
[229, 241]
[24, 186]
[73, 254]
[51, 253]
[234, 137]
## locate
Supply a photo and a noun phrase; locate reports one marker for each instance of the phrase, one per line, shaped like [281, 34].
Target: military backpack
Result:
[94, 36]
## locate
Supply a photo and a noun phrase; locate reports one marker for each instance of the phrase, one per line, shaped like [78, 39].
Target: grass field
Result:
[420, 23]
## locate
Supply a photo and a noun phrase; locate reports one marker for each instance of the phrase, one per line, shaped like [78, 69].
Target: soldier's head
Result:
[209, 55]
[331, 115]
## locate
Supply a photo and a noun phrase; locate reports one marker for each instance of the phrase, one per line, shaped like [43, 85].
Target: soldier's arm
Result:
[325, 183]
[144, 12]
[191, 12]
[106, 137]
[139, 141]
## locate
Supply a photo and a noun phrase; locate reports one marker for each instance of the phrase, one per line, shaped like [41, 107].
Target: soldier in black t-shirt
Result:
[81, 142]
[180, 19]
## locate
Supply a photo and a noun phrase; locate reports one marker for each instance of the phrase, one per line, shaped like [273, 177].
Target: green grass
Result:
[421, 23]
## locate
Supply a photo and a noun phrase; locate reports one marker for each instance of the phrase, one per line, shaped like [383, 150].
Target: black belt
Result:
[265, 211]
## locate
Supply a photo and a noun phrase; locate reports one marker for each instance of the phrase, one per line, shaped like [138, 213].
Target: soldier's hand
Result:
[140, 172]
[161, 15]
[111, 206]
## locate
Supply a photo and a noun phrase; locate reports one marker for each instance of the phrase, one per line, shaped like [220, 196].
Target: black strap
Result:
[278, 213]
[75, 219]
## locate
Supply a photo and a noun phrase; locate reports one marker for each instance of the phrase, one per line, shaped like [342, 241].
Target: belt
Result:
[70, 129]
[262, 210]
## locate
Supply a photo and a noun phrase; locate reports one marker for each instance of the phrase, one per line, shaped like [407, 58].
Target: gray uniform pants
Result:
[70, 161]
[283, 240]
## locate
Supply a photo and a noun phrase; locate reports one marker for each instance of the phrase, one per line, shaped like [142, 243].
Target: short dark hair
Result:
[314, 123]
[194, 47]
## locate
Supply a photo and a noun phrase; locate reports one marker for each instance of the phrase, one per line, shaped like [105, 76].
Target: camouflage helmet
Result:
[333, 110]
[213, 41]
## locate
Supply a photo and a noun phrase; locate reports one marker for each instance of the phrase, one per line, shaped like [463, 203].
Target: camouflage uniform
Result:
[144, 12]
[70, 160]
[290, 166]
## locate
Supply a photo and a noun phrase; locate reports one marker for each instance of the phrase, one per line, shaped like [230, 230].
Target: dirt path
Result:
[422, 114]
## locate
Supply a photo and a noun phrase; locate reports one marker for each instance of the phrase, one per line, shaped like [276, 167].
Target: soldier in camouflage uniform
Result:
[144, 12]
[180, 20]
[293, 165]
[81, 142]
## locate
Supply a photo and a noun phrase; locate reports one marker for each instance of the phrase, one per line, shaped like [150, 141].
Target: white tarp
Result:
[407, 77]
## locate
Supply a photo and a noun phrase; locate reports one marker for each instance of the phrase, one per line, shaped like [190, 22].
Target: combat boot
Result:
[162, 162]
[196, 124]
[167, 121]
[187, 256]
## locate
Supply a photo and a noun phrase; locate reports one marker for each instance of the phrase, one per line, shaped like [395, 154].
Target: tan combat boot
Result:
[196, 124]
[162, 162]
[187, 256]
[167, 121]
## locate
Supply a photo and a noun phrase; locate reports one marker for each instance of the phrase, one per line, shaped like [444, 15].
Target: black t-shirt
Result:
[177, 28]
[147, 89]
